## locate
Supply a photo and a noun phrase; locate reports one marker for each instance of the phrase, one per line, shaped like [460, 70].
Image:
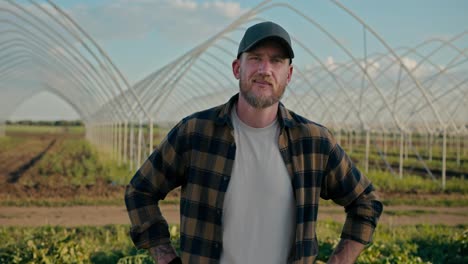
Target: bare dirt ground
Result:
[103, 215]
[17, 168]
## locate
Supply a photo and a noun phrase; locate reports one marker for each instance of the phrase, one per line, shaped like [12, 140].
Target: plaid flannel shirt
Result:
[198, 154]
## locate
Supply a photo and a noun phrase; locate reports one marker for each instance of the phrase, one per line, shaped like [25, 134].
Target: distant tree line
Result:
[46, 123]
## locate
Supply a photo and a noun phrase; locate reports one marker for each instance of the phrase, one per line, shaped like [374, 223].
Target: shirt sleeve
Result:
[346, 186]
[162, 172]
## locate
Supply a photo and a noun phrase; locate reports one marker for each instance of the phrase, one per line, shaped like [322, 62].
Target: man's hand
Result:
[347, 251]
[163, 254]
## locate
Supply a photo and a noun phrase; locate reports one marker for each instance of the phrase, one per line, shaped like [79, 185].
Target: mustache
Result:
[263, 78]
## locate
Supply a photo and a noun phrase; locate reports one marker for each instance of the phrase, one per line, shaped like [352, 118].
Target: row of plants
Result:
[79, 163]
[387, 182]
[392, 147]
[422, 147]
[7, 143]
[111, 244]
[45, 123]
[75, 160]
[436, 155]
[19, 129]
[412, 162]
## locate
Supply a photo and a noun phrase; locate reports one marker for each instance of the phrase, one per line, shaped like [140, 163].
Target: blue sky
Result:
[141, 36]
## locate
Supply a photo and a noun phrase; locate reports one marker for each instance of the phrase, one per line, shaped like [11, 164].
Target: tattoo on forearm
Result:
[164, 250]
[340, 247]
[347, 251]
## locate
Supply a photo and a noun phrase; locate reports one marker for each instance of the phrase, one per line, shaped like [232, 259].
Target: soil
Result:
[19, 182]
[104, 215]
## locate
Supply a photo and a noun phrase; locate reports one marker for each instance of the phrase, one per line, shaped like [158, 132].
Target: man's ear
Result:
[236, 68]
[290, 72]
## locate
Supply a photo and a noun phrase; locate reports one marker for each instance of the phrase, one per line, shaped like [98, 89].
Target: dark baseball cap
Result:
[261, 31]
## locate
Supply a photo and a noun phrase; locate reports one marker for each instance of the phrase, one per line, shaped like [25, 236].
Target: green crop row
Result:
[74, 159]
[434, 164]
[43, 129]
[451, 155]
[387, 182]
[77, 162]
[8, 142]
[111, 244]
[406, 244]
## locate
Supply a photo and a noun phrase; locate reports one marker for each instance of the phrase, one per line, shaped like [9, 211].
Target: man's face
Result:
[263, 74]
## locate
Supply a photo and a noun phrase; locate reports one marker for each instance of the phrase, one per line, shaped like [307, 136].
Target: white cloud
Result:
[185, 4]
[417, 69]
[330, 63]
[178, 20]
[372, 67]
[409, 63]
[229, 9]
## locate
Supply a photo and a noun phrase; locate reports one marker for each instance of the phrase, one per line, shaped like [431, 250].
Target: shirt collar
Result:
[285, 118]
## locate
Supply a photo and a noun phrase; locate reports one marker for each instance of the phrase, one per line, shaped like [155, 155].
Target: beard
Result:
[260, 101]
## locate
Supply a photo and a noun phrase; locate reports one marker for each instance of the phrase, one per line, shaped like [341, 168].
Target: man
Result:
[252, 173]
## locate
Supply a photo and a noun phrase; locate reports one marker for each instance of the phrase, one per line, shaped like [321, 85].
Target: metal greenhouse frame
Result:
[379, 98]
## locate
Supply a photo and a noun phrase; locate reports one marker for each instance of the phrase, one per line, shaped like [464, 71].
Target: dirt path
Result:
[103, 215]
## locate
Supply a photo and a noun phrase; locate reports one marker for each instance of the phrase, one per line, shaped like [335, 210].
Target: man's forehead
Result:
[273, 45]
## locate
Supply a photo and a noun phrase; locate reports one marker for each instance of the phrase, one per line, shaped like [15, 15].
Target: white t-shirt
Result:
[259, 207]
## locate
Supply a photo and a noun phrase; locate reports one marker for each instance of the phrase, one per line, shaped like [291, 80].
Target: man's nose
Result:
[264, 67]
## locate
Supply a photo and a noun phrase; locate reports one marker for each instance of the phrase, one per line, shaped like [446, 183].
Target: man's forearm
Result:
[347, 251]
[163, 254]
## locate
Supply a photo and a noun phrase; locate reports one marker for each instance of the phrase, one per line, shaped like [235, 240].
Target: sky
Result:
[141, 36]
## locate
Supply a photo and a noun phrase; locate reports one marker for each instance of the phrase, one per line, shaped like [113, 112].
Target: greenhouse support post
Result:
[367, 150]
[150, 125]
[119, 143]
[444, 157]
[431, 143]
[140, 139]
[401, 153]
[125, 142]
[132, 146]
[458, 149]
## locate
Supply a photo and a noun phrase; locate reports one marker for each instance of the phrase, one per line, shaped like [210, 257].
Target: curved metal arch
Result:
[54, 36]
[162, 89]
[426, 97]
[68, 101]
[44, 54]
[343, 48]
[103, 54]
[199, 49]
[17, 101]
[44, 57]
[40, 40]
[161, 80]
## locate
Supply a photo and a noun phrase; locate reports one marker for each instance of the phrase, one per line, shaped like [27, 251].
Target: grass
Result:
[409, 213]
[74, 161]
[118, 200]
[112, 244]
[8, 142]
[46, 129]
[411, 162]
[387, 182]
[429, 201]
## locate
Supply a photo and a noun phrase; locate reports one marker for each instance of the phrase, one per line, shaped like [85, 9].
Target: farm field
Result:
[57, 190]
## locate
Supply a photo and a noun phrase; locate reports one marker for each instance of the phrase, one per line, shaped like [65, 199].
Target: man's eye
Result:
[277, 60]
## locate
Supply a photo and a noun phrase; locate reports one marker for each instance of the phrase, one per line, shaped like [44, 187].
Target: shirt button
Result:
[225, 178]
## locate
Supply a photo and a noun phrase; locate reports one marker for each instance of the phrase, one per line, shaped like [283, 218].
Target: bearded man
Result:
[251, 173]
